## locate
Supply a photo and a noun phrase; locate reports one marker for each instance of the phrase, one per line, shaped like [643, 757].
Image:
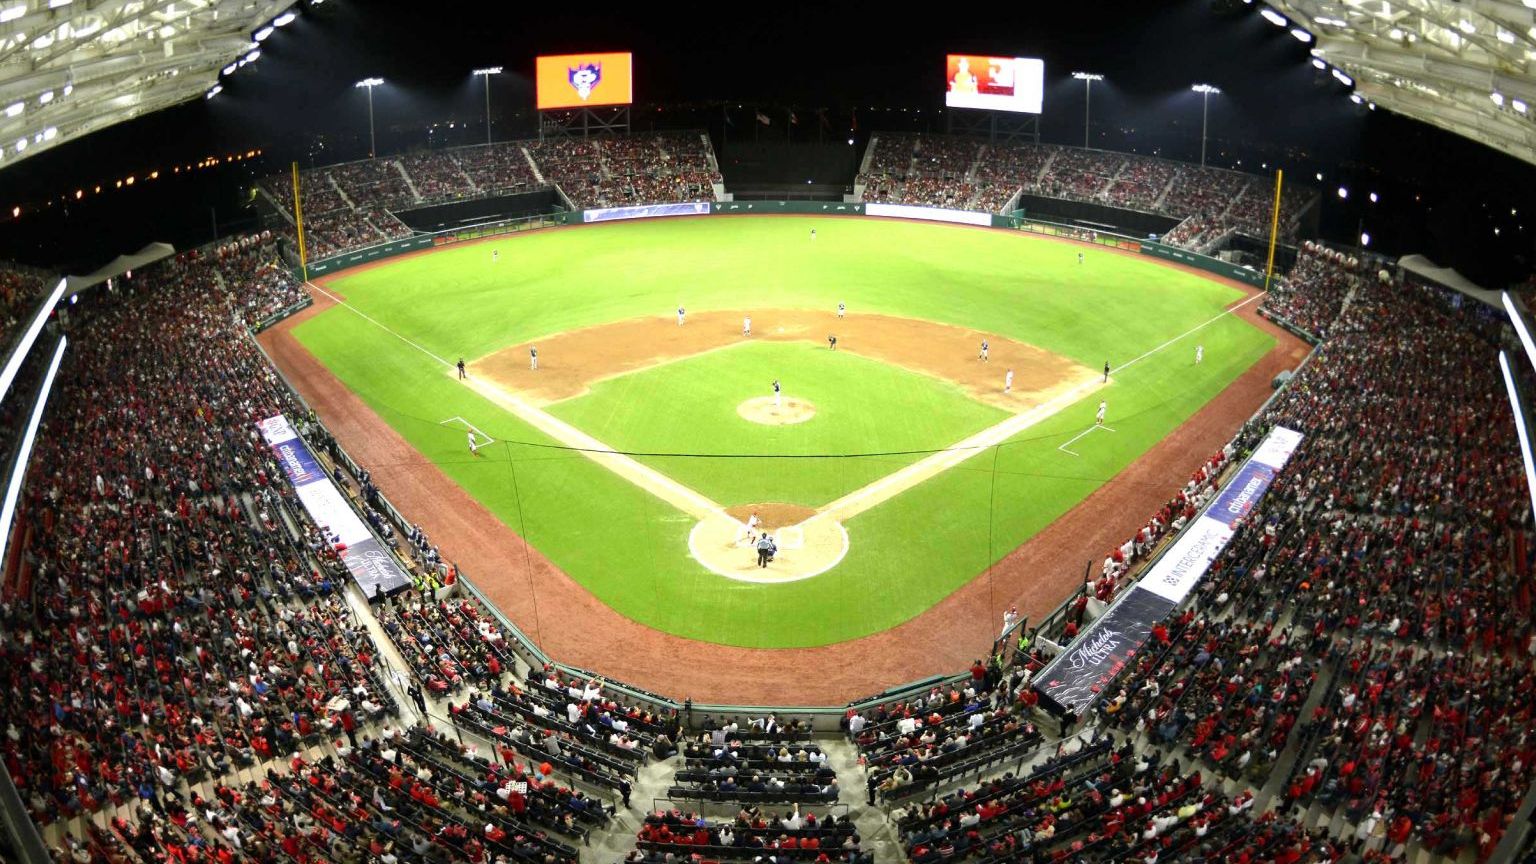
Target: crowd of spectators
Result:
[792, 834]
[1310, 297]
[21, 289]
[183, 617]
[944, 171]
[638, 169]
[1385, 576]
[496, 169]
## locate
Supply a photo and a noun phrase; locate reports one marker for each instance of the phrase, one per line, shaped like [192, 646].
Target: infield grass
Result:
[630, 548]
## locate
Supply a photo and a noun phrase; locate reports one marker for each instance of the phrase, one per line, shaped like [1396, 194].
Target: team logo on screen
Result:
[584, 77]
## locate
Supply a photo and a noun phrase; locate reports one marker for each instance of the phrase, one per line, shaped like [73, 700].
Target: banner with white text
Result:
[372, 565]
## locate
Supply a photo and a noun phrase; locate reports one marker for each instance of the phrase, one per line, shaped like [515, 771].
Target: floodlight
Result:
[50, 133]
[45, 98]
[251, 57]
[215, 90]
[1519, 105]
[1087, 76]
[1497, 97]
[1373, 197]
[1206, 89]
[1301, 35]
[230, 69]
[1356, 98]
[489, 70]
[15, 109]
[1273, 17]
[284, 19]
[262, 34]
[1318, 64]
[1365, 238]
[1343, 79]
[370, 83]
[1319, 176]
[1343, 193]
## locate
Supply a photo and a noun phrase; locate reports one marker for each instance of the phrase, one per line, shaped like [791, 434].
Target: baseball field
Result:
[892, 470]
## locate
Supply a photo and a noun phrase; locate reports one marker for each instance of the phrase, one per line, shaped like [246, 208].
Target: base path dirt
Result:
[562, 616]
[571, 362]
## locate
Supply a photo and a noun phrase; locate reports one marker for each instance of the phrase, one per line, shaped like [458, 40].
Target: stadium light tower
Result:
[1205, 90]
[368, 84]
[1087, 78]
[486, 73]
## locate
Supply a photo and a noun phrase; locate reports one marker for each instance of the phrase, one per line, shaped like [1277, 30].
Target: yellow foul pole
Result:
[298, 220]
[1274, 230]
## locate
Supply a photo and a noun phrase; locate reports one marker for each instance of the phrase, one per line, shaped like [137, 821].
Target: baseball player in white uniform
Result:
[474, 449]
[842, 309]
[533, 358]
[495, 255]
[985, 349]
[775, 392]
[680, 313]
[751, 529]
[1008, 382]
[746, 326]
[1098, 420]
[1199, 354]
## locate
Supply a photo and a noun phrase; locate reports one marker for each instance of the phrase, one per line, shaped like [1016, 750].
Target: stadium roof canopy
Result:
[71, 67]
[1463, 65]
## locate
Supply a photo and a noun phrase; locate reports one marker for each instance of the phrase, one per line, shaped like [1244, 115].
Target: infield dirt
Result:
[571, 362]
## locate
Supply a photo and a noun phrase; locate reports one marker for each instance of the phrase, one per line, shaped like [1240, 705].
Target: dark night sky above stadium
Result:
[298, 102]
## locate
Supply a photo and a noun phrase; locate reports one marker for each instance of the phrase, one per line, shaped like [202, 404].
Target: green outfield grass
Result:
[862, 406]
[629, 548]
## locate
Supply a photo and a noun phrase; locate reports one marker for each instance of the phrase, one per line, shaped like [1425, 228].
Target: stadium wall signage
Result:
[1076, 678]
[371, 564]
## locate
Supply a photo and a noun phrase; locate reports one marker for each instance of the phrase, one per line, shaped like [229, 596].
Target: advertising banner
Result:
[645, 211]
[934, 214]
[1078, 675]
[371, 564]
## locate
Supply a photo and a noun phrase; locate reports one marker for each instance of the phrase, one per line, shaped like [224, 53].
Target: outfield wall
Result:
[1018, 220]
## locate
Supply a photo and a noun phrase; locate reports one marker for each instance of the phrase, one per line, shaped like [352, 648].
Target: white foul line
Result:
[895, 483]
[1063, 446]
[358, 312]
[1197, 328]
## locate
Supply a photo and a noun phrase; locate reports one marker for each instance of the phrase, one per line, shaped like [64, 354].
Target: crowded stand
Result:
[21, 289]
[436, 177]
[638, 169]
[181, 614]
[1376, 577]
[793, 834]
[496, 169]
[1310, 297]
[941, 171]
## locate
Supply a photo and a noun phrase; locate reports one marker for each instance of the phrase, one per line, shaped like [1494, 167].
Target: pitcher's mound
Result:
[762, 410]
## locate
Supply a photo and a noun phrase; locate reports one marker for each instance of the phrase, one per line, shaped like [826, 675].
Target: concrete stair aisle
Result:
[1167, 188]
[876, 832]
[340, 191]
[537, 174]
[409, 183]
[617, 838]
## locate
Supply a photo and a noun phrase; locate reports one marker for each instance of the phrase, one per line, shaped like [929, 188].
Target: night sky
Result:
[1439, 194]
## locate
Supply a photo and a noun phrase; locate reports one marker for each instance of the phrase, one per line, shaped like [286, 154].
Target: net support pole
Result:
[1274, 229]
[298, 221]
